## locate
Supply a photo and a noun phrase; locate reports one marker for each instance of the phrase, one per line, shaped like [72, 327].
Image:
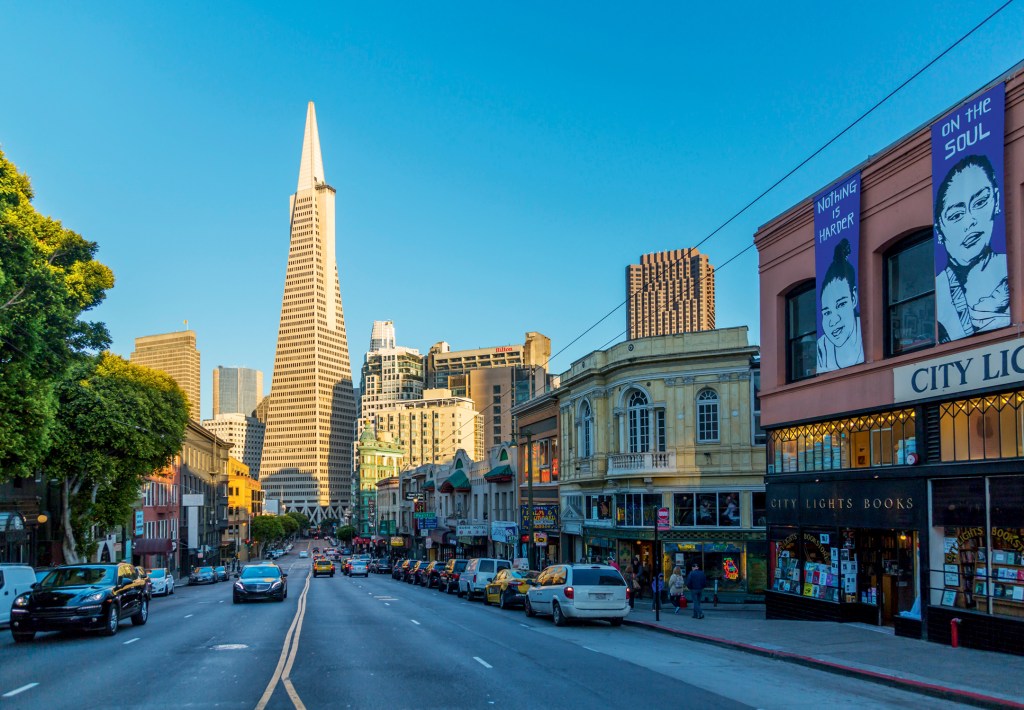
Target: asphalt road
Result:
[378, 643]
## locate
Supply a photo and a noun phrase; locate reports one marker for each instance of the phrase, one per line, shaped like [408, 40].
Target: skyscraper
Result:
[670, 292]
[382, 336]
[390, 373]
[236, 390]
[174, 354]
[307, 448]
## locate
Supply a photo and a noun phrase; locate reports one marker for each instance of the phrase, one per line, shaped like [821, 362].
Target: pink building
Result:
[893, 384]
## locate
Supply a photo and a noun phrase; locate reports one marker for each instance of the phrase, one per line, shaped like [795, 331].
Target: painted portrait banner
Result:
[971, 290]
[836, 250]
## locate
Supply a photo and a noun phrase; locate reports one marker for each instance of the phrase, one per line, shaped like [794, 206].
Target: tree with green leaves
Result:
[300, 518]
[48, 278]
[346, 532]
[116, 423]
[290, 525]
[266, 528]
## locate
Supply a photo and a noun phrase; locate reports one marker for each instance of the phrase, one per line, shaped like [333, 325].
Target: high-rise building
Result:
[670, 292]
[432, 429]
[495, 379]
[383, 335]
[390, 373]
[378, 458]
[174, 354]
[236, 390]
[307, 449]
[244, 433]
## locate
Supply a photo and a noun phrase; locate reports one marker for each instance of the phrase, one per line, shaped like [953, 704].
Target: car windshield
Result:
[206, 570]
[597, 578]
[78, 577]
[220, 569]
[260, 571]
[524, 574]
[156, 573]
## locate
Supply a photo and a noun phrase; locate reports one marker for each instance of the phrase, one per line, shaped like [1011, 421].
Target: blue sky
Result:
[497, 165]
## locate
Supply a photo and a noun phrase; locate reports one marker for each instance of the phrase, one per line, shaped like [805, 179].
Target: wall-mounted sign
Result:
[540, 539]
[990, 366]
[139, 522]
[972, 294]
[397, 542]
[545, 517]
[471, 530]
[192, 500]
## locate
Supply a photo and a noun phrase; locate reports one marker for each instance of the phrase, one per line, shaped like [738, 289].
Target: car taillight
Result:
[569, 592]
[629, 594]
[455, 576]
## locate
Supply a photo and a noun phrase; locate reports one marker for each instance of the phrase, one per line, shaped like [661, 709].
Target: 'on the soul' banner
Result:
[972, 294]
[836, 251]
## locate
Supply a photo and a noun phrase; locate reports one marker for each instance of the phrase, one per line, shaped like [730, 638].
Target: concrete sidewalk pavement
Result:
[979, 678]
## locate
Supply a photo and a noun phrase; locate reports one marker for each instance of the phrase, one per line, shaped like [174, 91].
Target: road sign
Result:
[663, 520]
[424, 515]
[540, 539]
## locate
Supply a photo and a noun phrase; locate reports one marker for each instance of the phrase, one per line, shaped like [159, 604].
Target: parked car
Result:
[162, 580]
[509, 587]
[202, 575]
[358, 568]
[449, 577]
[260, 582]
[432, 575]
[323, 566]
[222, 573]
[383, 566]
[579, 592]
[15, 580]
[412, 571]
[478, 574]
[88, 597]
[397, 571]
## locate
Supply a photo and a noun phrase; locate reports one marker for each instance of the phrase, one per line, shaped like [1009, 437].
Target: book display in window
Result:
[820, 582]
[1006, 571]
[787, 575]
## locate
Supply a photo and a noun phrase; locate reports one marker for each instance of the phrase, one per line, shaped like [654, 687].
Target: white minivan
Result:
[478, 574]
[579, 592]
[15, 580]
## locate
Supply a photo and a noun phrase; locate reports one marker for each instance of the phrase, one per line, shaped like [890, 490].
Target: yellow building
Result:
[432, 429]
[667, 423]
[245, 501]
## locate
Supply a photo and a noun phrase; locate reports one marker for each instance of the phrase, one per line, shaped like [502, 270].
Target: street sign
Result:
[139, 524]
[425, 515]
[663, 520]
[540, 539]
[428, 523]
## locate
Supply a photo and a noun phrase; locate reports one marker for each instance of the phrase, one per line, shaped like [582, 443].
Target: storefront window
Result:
[636, 509]
[759, 509]
[784, 551]
[884, 439]
[821, 568]
[729, 509]
[599, 508]
[683, 505]
[707, 504]
[982, 428]
[724, 563]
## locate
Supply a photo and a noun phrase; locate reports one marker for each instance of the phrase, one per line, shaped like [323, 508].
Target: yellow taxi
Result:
[509, 587]
[322, 565]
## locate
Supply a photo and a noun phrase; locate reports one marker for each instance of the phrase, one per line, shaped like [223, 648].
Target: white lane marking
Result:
[22, 689]
[221, 601]
[386, 604]
[591, 649]
[188, 616]
[482, 662]
[415, 622]
[131, 640]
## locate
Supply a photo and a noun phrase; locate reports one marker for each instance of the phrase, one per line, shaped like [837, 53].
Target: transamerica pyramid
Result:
[307, 448]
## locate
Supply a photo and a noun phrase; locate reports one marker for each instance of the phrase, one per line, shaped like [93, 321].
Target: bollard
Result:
[954, 631]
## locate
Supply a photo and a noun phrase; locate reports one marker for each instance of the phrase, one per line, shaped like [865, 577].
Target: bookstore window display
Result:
[873, 440]
[806, 564]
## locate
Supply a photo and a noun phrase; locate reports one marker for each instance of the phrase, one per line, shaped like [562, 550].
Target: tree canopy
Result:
[290, 525]
[301, 518]
[48, 278]
[265, 528]
[346, 532]
[116, 424]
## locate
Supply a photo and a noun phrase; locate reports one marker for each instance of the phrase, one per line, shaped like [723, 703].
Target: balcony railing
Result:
[653, 463]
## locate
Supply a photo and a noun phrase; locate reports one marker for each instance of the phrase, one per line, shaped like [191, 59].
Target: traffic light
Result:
[525, 538]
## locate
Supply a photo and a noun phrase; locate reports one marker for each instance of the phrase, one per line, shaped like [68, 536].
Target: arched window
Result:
[707, 416]
[639, 422]
[586, 433]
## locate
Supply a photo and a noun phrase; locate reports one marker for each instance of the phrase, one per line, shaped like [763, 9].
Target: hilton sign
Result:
[965, 371]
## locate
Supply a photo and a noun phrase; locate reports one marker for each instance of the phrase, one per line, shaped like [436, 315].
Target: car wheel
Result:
[458, 593]
[140, 617]
[557, 616]
[617, 621]
[235, 599]
[502, 604]
[528, 608]
[172, 590]
[113, 619]
[23, 636]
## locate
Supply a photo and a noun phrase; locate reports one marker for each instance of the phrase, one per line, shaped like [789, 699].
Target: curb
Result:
[936, 691]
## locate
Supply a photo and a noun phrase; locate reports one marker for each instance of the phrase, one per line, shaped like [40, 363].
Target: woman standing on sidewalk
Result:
[631, 584]
[676, 585]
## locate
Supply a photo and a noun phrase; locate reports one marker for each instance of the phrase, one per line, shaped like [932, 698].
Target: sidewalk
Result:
[979, 678]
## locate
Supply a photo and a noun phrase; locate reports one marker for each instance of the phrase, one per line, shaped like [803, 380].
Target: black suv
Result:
[89, 597]
[448, 580]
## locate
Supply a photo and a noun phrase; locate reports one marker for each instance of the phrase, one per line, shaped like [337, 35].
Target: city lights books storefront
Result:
[910, 517]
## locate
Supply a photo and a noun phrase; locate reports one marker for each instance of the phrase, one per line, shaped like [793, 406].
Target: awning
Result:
[428, 485]
[151, 546]
[443, 537]
[456, 482]
[500, 474]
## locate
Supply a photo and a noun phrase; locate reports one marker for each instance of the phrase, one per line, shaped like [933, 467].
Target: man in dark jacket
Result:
[695, 582]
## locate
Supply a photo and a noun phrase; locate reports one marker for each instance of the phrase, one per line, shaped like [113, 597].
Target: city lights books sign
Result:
[836, 247]
[972, 294]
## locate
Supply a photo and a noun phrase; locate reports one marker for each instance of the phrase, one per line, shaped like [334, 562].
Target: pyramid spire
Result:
[311, 169]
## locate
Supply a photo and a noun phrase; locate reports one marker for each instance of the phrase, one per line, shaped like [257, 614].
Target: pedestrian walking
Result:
[658, 587]
[631, 584]
[696, 581]
[613, 563]
[676, 588]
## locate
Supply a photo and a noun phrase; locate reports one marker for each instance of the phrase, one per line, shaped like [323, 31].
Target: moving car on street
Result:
[86, 597]
[203, 575]
[161, 580]
[358, 568]
[222, 573]
[509, 587]
[15, 580]
[579, 592]
[323, 566]
[260, 582]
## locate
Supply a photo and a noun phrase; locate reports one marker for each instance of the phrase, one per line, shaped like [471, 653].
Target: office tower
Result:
[432, 429]
[174, 354]
[383, 335]
[307, 448]
[670, 292]
[236, 390]
[244, 433]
